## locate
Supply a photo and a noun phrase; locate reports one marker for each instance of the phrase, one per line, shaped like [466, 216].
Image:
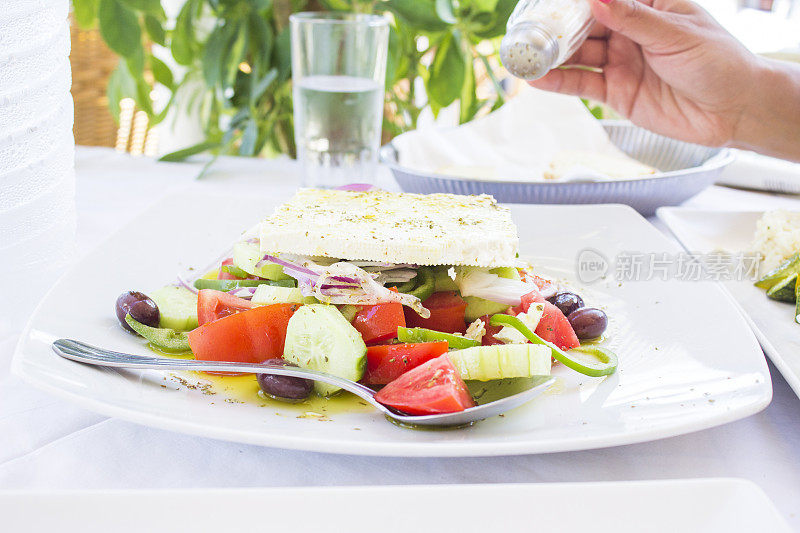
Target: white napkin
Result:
[519, 141]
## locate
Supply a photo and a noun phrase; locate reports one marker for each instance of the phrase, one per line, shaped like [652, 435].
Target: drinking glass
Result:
[338, 76]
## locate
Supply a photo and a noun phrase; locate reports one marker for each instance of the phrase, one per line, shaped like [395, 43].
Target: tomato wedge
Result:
[387, 362]
[379, 323]
[554, 327]
[431, 388]
[447, 313]
[532, 297]
[488, 337]
[250, 336]
[213, 305]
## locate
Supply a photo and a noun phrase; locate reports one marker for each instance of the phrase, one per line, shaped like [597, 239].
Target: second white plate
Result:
[688, 506]
[674, 377]
[773, 322]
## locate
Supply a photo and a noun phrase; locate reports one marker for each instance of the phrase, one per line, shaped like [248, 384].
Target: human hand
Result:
[668, 66]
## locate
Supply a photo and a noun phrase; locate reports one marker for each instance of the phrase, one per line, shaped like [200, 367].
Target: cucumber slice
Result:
[319, 337]
[485, 363]
[177, 307]
[247, 254]
[477, 307]
[231, 284]
[787, 268]
[270, 294]
[784, 289]
[506, 272]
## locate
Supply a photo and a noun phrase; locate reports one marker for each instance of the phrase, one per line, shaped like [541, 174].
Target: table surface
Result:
[51, 444]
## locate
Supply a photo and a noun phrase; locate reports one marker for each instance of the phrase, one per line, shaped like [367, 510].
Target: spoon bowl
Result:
[87, 354]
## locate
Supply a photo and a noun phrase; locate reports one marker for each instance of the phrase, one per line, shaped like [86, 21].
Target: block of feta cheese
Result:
[422, 229]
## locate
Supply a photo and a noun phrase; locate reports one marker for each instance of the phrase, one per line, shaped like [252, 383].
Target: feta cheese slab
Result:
[423, 229]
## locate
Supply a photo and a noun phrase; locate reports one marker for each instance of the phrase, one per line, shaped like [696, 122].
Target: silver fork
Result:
[84, 353]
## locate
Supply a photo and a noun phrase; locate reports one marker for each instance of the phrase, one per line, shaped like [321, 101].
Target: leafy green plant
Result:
[232, 62]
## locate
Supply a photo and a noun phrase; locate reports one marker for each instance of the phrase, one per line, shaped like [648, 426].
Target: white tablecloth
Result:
[48, 443]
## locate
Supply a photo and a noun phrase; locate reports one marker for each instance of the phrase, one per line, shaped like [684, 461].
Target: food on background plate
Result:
[576, 165]
[777, 241]
[413, 293]
[777, 237]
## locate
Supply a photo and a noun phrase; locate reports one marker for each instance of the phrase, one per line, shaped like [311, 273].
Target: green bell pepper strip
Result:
[406, 287]
[233, 270]
[232, 284]
[607, 359]
[454, 342]
[425, 282]
[164, 339]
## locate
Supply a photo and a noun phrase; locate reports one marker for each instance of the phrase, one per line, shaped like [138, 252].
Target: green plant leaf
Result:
[468, 100]
[249, 138]
[337, 5]
[155, 30]
[162, 73]
[180, 155]
[264, 83]
[283, 54]
[444, 10]
[143, 100]
[183, 42]
[262, 37]
[420, 14]
[85, 12]
[447, 72]
[119, 27]
[478, 6]
[393, 57]
[502, 11]
[215, 52]
[262, 5]
[236, 55]
[120, 85]
[151, 7]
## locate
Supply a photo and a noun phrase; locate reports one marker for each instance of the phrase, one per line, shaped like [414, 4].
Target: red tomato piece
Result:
[554, 327]
[447, 313]
[250, 336]
[387, 362]
[213, 305]
[532, 297]
[379, 323]
[226, 275]
[431, 388]
[488, 337]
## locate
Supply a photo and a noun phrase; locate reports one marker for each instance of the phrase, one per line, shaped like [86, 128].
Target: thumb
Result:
[635, 20]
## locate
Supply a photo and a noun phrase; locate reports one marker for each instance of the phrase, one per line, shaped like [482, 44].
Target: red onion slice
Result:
[186, 285]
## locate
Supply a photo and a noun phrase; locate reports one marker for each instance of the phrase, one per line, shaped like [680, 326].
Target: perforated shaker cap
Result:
[528, 51]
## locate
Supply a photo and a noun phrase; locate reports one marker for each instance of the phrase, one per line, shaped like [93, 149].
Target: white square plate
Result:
[681, 370]
[773, 322]
[688, 506]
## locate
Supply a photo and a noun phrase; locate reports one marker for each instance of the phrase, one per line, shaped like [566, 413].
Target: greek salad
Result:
[416, 333]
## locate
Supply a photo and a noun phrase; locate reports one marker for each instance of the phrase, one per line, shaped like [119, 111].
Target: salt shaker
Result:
[542, 34]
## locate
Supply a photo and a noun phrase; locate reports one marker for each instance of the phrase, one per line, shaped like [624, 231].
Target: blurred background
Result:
[173, 78]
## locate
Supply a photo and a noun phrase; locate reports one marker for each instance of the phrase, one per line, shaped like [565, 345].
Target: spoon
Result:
[84, 353]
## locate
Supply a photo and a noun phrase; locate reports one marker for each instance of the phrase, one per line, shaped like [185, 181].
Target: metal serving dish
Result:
[684, 170]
